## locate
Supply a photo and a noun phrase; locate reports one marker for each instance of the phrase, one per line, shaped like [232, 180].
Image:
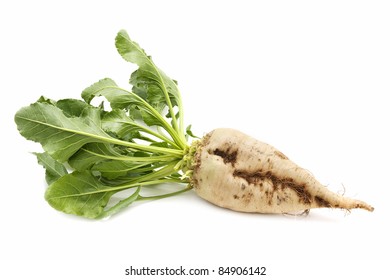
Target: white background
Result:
[309, 77]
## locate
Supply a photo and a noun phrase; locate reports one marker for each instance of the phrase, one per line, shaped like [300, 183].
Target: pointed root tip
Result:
[358, 204]
[365, 206]
[355, 204]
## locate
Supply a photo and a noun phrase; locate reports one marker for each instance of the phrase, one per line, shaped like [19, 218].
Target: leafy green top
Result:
[91, 153]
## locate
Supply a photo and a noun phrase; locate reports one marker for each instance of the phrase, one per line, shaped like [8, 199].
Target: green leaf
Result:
[54, 169]
[189, 132]
[150, 119]
[95, 89]
[140, 143]
[72, 107]
[44, 99]
[121, 204]
[114, 168]
[119, 123]
[112, 162]
[122, 99]
[118, 97]
[62, 136]
[124, 127]
[59, 135]
[79, 193]
[148, 81]
[91, 154]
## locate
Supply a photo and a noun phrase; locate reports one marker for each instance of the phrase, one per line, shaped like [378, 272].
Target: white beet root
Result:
[236, 171]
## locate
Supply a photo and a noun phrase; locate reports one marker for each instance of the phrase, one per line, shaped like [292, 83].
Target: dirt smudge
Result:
[228, 156]
[258, 177]
[321, 202]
